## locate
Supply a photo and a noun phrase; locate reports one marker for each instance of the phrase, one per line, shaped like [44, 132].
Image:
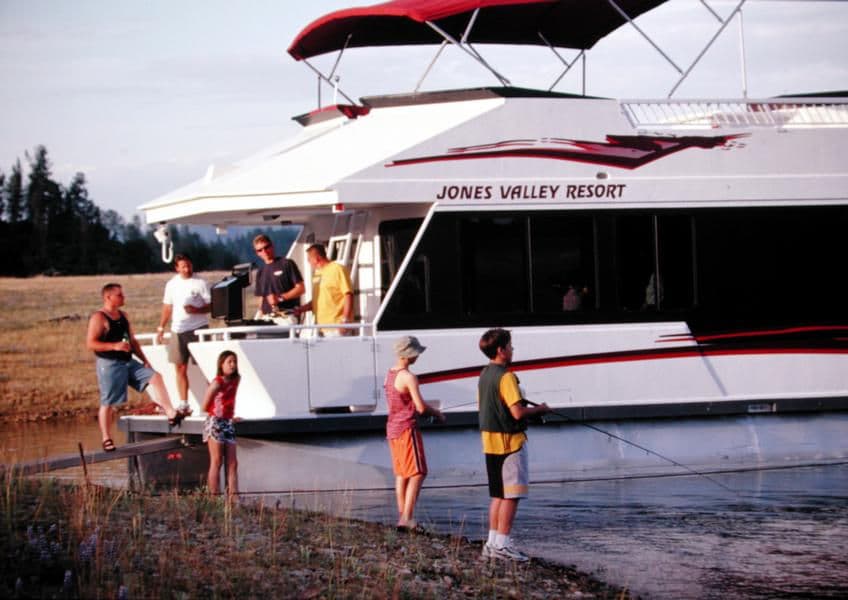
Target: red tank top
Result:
[401, 408]
[224, 401]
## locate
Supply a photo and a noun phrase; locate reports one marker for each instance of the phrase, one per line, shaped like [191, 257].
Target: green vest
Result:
[494, 415]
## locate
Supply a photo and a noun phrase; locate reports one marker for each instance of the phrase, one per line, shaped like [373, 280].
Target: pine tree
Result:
[84, 222]
[15, 194]
[44, 199]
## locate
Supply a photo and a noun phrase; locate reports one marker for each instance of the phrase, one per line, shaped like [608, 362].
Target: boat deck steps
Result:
[124, 451]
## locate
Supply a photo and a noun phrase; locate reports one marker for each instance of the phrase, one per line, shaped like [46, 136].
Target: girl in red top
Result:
[218, 432]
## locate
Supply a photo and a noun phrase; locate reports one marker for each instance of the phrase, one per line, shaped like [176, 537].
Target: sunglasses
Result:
[264, 248]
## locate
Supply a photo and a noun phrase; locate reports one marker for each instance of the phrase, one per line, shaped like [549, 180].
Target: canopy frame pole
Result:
[583, 61]
[339, 57]
[323, 77]
[468, 49]
[709, 45]
[714, 13]
[619, 10]
[464, 39]
[567, 64]
[470, 26]
[742, 59]
[442, 46]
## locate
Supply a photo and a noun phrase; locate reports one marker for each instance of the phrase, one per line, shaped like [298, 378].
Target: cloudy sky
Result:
[142, 96]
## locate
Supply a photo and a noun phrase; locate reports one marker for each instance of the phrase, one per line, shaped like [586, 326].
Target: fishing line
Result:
[452, 406]
[640, 447]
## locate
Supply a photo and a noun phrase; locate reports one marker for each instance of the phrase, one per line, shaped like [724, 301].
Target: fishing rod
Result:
[640, 447]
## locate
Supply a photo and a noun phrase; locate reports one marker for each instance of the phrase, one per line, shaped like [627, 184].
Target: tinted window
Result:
[395, 239]
[562, 255]
[713, 268]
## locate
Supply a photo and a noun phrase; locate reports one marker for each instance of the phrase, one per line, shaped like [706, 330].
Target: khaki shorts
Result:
[408, 454]
[178, 346]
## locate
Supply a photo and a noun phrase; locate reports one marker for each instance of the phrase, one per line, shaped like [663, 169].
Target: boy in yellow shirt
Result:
[502, 415]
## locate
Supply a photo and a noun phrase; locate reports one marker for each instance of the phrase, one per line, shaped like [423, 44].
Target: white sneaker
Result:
[488, 551]
[510, 553]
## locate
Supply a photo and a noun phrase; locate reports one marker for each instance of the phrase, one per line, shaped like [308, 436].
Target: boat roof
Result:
[575, 24]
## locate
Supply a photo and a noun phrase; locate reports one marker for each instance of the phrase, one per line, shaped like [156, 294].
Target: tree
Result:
[44, 199]
[84, 223]
[2, 194]
[15, 194]
[114, 224]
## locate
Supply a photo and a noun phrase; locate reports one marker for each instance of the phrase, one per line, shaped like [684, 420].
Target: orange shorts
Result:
[408, 454]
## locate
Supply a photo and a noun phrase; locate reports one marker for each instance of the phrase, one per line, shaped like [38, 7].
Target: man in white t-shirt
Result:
[186, 303]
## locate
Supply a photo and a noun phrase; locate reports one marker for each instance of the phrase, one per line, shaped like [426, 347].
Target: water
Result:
[20, 442]
[783, 535]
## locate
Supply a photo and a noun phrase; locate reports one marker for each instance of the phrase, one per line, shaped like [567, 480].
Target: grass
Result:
[46, 372]
[85, 541]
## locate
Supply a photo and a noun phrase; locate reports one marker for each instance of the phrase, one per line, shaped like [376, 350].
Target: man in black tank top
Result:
[111, 338]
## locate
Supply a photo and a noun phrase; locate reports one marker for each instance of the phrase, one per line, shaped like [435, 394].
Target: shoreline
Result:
[79, 540]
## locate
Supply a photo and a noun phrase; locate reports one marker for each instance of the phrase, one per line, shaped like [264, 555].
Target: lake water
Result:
[30, 441]
[783, 534]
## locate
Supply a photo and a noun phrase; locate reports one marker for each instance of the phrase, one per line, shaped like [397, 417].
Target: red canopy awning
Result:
[564, 23]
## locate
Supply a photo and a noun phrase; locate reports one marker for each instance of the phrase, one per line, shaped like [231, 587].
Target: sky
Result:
[143, 95]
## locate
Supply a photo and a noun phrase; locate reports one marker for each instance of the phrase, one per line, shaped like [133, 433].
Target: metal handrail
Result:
[294, 331]
[713, 114]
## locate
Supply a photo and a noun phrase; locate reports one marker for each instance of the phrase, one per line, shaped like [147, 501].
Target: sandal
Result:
[108, 445]
[176, 419]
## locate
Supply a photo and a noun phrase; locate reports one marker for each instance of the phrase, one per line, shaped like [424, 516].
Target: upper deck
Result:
[507, 145]
[490, 146]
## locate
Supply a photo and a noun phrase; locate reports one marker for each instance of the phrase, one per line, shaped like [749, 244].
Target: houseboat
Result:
[671, 270]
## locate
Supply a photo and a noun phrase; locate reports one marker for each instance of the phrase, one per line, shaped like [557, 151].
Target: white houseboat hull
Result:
[665, 267]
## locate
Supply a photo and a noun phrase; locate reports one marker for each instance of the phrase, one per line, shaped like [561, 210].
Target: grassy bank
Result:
[78, 541]
[45, 370]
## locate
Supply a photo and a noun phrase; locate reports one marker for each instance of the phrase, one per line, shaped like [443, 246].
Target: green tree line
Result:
[50, 228]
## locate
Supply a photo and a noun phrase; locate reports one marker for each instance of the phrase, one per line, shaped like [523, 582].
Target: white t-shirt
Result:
[179, 292]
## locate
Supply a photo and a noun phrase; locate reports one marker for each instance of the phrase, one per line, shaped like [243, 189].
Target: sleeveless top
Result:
[401, 408]
[224, 401]
[494, 414]
[118, 328]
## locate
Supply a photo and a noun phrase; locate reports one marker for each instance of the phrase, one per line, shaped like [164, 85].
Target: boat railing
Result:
[290, 332]
[715, 114]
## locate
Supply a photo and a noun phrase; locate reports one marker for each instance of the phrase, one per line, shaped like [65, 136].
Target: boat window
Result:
[676, 288]
[712, 267]
[654, 264]
[636, 281]
[562, 255]
[395, 239]
[493, 258]
[772, 265]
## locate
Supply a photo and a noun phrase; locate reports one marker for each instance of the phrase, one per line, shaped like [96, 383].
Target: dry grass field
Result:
[45, 370]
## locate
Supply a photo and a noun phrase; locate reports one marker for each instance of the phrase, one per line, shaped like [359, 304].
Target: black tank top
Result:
[118, 328]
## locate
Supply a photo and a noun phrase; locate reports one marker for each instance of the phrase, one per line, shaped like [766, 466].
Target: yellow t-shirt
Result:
[330, 284]
[495, 442]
